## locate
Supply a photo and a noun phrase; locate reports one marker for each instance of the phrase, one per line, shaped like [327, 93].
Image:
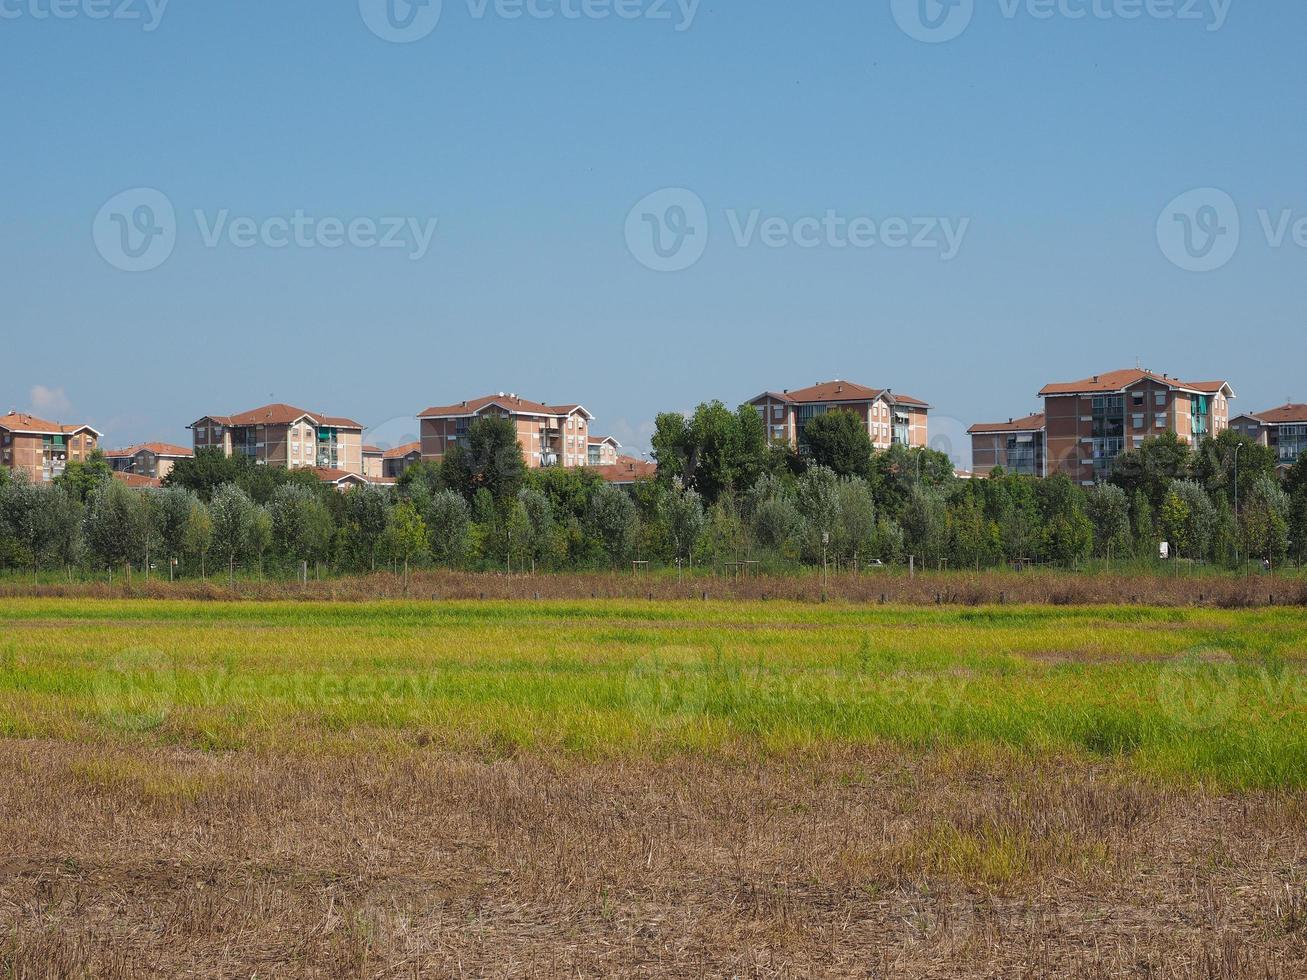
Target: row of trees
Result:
[722, 494]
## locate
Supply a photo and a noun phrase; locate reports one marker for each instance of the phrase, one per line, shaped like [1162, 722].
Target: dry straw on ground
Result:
[121, 862]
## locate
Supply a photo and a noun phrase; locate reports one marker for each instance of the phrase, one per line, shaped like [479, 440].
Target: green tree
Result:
[302, 525]
[1188, 519]
[857, 519]
[840, 441]
[1108, 509]
[613, 521]
[1153, 467]
[406, 535]
[231, 513]
[366, 520]
[492, 460]
[541, 542]
[712, 451]
[448, 522]
[681, 512]
[1264, 521]
[116, 525]
[197, 538]
[1214, 464]
[80, 478]
[817, 497]
[925, 524]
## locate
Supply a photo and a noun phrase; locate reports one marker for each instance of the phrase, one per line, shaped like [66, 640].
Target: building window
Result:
[1159, 421]
[1160, 397]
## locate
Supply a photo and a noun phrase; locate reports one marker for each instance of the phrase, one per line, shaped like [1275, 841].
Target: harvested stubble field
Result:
[624, 787]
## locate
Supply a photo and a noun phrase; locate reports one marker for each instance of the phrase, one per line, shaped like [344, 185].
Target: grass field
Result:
[624, 786]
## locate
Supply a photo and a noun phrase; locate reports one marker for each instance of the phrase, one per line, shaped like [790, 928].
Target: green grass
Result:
[1214, 696]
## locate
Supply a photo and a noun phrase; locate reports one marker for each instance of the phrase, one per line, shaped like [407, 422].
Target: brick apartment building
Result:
[891, 418]
[395, 461]
[550, 435]
[284, 436]
[150, 459]
[1284, 429]
[1016, 445]
[43, 449]
[374, 462]
[1088, 423]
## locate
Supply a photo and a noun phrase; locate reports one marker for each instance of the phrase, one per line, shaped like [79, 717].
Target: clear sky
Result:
[1048, 138]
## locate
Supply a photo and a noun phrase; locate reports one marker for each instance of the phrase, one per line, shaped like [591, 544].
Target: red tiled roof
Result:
[138, 482]
[512, 403]
[328, 475]
[1285, 414]
[158, 448]
[31, 425]
[282, 414]
[1030, 423]
[1114, 381]
[627, 470]
[600, 440]
[399, 452]
[373, 451]
[828, 392]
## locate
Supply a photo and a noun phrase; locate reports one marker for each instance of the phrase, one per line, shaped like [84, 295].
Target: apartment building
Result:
[374, 458]
[1016, 445]
[395, 461]
[602, 451]
[550, 435]
[1088, 423]
[1283, 429]
[42, 449]
[284, 436]
[152, 459]
[891, 418]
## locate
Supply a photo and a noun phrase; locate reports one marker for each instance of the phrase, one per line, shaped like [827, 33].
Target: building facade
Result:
[284, 436]
[41, 449]
[152, 459]
[395, 461]
[1088, 423]
[891, 418]
[550, 435]
[1284, 429]
[1016, 445]
[603, 451]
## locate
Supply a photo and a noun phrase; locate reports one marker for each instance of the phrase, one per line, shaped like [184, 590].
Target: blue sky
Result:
[1054, 143]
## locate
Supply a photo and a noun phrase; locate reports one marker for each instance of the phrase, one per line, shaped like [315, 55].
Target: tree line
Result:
[722, 493]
